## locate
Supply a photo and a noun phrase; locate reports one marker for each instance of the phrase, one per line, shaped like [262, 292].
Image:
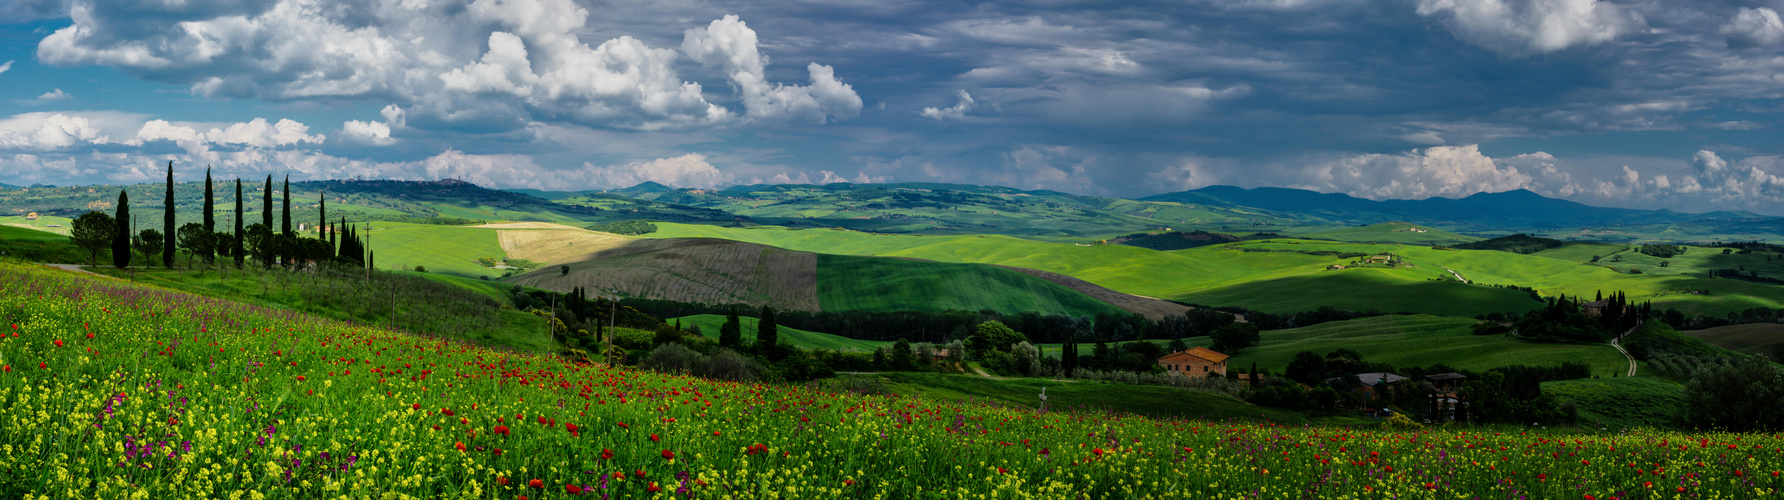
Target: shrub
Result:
[1747, 395]
[421, 269]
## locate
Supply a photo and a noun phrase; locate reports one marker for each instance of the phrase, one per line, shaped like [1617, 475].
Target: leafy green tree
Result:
[224, 244]
[1307, 367]
[667, 334]
[768, 335]
[1746, 396]
[902, 356]
[1232, 338]
[149, 243]
[167, 221]
[121, 233]
[259, 241]
[1177, 345]
[195, 240]
[731, 333]
[92, 231]
[992, 336]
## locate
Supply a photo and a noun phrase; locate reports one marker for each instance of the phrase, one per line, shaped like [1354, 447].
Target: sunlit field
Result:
[113, 390]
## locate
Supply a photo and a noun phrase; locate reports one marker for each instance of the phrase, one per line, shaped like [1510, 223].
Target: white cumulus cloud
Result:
[54, 95]
[5, 67]
[1519, 28]
[730, 44]
[1754, 28]
[47, 131]
[373, 132]
[955, 112]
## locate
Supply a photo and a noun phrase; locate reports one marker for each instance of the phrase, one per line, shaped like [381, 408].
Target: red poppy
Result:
[606, 454]
[571, 427]
[58, 342]
[501, 429]
[653, 437]
[572, 489]
[502, 480]
[668, 455]
[460, 445]
[639, 472]
[654, 488]
[536, 483]
[415, 406]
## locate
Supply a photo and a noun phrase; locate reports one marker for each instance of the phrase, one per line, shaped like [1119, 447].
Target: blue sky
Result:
[1643, 104]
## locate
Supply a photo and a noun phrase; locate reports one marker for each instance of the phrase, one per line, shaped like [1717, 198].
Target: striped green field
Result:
[709, 327]
[62, 224]
[850, 283]
[1418, 341]
[442, 249]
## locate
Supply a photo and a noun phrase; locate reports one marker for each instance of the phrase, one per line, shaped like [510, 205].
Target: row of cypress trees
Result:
[342, 241]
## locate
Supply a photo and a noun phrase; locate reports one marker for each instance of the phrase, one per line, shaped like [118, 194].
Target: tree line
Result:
[202, 241]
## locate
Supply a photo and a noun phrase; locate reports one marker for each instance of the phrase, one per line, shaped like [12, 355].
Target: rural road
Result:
[1625, 353]
[1457, 275]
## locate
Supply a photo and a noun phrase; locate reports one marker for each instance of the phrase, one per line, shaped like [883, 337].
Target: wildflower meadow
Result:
[114, 390]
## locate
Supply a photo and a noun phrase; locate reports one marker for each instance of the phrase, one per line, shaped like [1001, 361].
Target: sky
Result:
[1639, 103]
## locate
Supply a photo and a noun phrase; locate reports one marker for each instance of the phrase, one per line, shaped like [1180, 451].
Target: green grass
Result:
[709, 327]
[1622, 402]
[1418, 341]
[849, 283]
[39, 246]
[42, 223]
[491, 289]
[1076, 395]
[442, 249]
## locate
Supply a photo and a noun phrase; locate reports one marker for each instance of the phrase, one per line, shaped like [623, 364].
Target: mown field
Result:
[442, 249]
[1759, 338]
[117, 390]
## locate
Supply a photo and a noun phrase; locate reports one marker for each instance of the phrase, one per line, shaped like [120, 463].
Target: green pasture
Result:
[850, 283]
[38, 246]
[1418, 340]
[492, 289]
[1622, 402]
[442, 249]
[710, 323]
[42, 224]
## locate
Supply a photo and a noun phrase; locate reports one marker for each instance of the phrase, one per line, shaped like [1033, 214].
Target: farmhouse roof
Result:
[1376, 378]
[1198, 354]
[1445, 376]
[1597, 303]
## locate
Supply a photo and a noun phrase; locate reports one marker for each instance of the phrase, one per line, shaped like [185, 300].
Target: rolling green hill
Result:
[1419, 341]
[850, 283]
[1757, 338]
[1393, 232]
[442, 249]
[1622, 402]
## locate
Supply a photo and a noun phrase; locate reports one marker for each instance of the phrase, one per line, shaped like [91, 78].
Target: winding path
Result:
[1625, 352]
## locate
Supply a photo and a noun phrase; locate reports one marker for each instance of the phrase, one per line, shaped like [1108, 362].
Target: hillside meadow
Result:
[116, 390]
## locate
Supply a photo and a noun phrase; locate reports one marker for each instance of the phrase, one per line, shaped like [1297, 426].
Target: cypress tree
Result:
[285, 216]
[210, 210]
[239, 258]
[167, 228]
[768, 335]
[121, 235]
[1068, 355]
[731, 333]
[266, 217]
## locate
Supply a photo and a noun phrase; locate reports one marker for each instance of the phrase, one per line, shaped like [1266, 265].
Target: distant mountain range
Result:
[1510, 210]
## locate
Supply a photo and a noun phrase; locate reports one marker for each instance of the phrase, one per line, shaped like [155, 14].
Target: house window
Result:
[1204, 368]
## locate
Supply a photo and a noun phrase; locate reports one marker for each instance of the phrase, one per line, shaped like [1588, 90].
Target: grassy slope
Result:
[709, 326]
[39, 246]
[492, 289]
[1386, 290]
[1148, 400]
[42, 223]
[1418, 341]
[850, 283]
[512, 329]
[1745, 339]
[1622, 401]
[1668, 287]
[443, 249]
